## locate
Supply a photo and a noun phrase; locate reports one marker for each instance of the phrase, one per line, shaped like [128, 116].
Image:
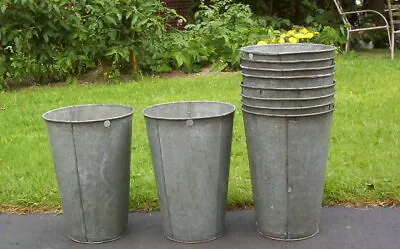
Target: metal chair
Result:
[394, 16]
[351, 28]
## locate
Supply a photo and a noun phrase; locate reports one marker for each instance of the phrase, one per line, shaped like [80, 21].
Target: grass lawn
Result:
[364, 159]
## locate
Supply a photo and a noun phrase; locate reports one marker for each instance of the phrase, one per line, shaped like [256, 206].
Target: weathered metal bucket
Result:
[309, 92]
[268, 72]
[190, 144]
[305, 81]
[289, 111]
[288, 52]
[91, 151]
[288, 102]
[287, 64]
[288, 157]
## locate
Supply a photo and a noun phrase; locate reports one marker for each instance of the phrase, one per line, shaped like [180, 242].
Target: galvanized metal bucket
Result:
[305, 81]
[288, 156]
[90, 145]
[288, 102]
[291, 111]
[190, 144]
[268, 72]
[288, 52]
[303, 63]
[305, 92]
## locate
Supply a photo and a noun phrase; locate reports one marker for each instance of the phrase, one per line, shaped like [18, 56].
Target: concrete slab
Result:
[341, 228]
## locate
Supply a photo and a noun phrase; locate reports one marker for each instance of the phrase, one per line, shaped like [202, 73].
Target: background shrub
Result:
[44, 41]
[50, 40]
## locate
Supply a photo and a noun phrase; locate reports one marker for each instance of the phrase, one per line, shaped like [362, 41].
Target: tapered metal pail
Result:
[190, 144]
[288, 156]
[91, 152]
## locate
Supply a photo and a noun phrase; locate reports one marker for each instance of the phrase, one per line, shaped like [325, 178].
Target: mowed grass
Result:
[364, 158]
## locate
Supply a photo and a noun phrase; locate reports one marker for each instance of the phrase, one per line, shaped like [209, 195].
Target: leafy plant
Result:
[299, 34]
[220, 29]
[53, 40]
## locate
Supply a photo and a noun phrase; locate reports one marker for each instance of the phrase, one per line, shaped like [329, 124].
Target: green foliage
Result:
[303, 12]
[43, 41]
[49, 40]
[220, 29]
[332, 36]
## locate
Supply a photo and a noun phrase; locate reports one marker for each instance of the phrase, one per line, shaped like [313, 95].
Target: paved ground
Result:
[341, 228]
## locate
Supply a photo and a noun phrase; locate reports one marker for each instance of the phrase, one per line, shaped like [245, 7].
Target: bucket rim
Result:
[290, 88]
[289, 62]
[328, 48]
[289, 115]
[287, 70]
[157, 117]
[314, 76]
[54, 120]
[289, 99]
[289, 108]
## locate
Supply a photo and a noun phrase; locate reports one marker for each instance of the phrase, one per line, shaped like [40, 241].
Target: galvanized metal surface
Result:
[91, 152]
[190, 144]
[288, 81]
[288, 52]
[287, 160]
[281, 72]
[303, 63]
[293, 111]
[280, 93]
[287, 102]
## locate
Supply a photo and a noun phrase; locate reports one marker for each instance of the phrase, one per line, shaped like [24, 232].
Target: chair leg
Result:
[393, 45]
[390, 43]
[348, 41]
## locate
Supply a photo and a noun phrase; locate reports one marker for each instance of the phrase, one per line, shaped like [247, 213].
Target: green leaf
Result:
[219, 66]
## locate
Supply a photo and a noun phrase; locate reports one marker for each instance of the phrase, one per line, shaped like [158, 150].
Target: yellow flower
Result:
[304, 31]
[299, 36]
[293, 40]
[262, 42]
[316, 33]
[291, 32]
[274, 40]
[309, 35]
[281, 41]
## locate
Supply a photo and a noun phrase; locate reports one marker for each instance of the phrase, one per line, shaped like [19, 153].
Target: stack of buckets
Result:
[287, 103]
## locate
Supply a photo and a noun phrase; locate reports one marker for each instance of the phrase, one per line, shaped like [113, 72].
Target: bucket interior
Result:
[88, 113]
[298, 48]
[188, 110]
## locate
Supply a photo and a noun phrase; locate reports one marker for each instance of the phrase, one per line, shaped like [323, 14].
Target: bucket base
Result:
[97, 242]
[280, 239]
[195, 242]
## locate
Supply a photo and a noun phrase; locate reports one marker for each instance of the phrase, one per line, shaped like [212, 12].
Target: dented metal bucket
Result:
[91, 151]
[288, 156]
[190, 145]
